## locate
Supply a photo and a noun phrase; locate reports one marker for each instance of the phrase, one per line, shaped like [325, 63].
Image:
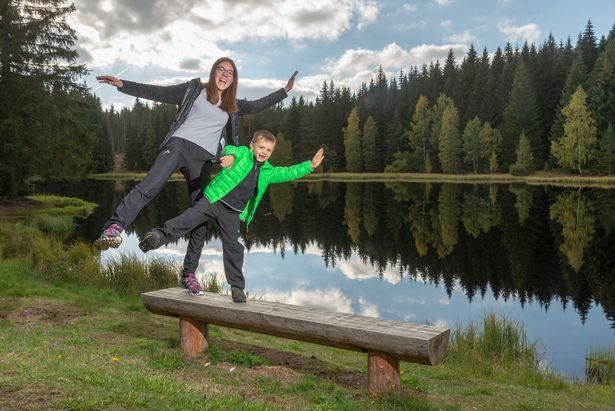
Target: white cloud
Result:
[463, 38]
[331, 299]
[410, 8]
[518, 34]
[442, 3]
[446, 23]
[369, 309]
[359, 65]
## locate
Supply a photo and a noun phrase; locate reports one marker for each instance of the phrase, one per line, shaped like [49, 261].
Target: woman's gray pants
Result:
[194, 162]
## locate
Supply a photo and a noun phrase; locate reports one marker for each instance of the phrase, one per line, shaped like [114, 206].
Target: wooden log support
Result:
[192, 336]
[386, 342]
[382, 372]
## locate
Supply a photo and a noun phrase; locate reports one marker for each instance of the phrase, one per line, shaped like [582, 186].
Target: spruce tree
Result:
[40, 98]
[522, 114]
[352, 142]
[576, 148]
[602, 87]
[605, 158]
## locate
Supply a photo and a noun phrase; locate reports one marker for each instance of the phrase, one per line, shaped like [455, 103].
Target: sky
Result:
[171, 41]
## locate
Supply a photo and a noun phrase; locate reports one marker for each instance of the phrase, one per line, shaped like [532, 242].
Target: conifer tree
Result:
[420, 133]
[576, 147]
[522, 114]
[602, 87]
[352, 142]
[40, 98]
[473, 148]
[370, 146]
[605, 158]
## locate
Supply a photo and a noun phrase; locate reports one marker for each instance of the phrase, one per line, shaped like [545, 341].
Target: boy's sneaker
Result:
[238, 295]
[190, 283]
[150, 241]
[110, 237]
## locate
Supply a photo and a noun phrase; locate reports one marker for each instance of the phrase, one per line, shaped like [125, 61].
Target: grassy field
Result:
[75, 336]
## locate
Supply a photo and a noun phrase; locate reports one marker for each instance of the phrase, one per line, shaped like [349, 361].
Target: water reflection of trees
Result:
[539, 244]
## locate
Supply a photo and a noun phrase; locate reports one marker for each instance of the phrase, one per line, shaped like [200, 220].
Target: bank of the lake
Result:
[539, 178]
[70, 343]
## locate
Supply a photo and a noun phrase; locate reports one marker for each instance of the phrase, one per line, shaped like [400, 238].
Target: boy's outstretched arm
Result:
[317, 159]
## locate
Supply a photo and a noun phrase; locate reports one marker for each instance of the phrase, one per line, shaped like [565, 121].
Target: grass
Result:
[600, 364]
[74, 341]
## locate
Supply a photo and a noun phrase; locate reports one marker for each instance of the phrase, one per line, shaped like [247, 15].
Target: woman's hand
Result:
[110, 80]
[318, 157]
[291, 82]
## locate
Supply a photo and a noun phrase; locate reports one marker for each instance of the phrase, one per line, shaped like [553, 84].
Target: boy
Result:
[232, 195]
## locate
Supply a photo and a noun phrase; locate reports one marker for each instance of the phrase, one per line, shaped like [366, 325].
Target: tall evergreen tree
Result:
[576, 147]
[602, 87]
[491, 139]
[352, 142]
[522, 114]
[40, 98]
[605, 158]
[587, 47]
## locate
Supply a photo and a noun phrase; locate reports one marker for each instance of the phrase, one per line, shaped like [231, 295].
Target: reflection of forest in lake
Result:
[535, 243]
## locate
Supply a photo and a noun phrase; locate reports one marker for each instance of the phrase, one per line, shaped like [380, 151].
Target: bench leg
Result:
[192, 336]
[382, 372]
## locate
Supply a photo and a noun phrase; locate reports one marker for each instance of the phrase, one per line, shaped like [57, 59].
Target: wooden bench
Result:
[386, 342]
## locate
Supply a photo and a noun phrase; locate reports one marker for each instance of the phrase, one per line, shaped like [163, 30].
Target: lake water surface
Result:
[441, 254]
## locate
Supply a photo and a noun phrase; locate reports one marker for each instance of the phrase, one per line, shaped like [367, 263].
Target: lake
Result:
[441, 254]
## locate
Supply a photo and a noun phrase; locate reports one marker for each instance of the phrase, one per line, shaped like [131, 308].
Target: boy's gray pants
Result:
[181, 155]
[228, 221]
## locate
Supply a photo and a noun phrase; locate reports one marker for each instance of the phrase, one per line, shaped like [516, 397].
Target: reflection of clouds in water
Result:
[329, 300]
[355, 269]
[368, 309]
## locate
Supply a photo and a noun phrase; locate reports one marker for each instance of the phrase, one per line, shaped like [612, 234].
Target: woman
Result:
[207, 117]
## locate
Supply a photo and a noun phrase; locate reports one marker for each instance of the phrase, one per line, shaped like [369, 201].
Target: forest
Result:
[516, 110]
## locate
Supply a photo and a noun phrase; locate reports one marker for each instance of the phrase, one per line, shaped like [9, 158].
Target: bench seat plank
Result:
[423, 344]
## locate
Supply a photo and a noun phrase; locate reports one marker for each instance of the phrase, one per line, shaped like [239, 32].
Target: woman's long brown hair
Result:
[229, 101]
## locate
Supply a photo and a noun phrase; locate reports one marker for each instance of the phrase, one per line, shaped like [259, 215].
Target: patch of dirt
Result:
[31, 397]
[41, 311]
[10, 205]
[296, 365]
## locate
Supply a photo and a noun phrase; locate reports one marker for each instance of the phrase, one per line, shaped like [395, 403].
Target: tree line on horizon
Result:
[518, 110]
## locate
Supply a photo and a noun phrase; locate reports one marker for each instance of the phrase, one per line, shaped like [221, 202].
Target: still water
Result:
[441, 254]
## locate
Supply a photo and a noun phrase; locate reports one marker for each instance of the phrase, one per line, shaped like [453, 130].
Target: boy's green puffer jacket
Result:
[226, 179]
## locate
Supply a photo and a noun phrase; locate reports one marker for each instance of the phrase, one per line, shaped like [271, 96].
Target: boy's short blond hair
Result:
[263, 135]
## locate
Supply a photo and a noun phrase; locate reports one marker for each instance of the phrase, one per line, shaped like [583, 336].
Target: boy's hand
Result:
[110, 80]
[317, 159]
[227, 161]
[291, 82]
